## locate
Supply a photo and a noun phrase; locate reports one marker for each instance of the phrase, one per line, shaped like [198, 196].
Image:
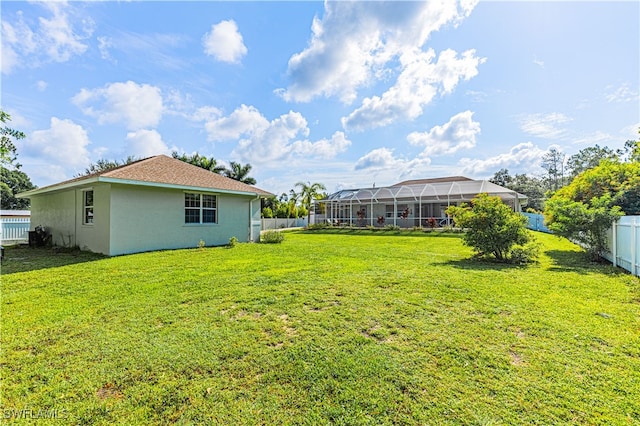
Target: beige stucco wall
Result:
[148, 218]
[61, 213]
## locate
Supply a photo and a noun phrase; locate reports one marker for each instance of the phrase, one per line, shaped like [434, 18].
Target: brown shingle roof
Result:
[165, 170]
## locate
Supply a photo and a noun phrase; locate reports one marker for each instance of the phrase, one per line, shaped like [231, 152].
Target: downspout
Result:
[251, 237]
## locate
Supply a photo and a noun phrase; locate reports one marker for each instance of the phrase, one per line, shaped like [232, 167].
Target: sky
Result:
[347, 94]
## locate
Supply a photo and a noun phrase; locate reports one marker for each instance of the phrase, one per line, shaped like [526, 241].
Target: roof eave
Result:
[55, 188]
[104, 179]
[176, 186]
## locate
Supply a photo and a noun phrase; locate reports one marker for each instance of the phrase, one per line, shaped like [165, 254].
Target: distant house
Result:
[152, 204]
[411, 203]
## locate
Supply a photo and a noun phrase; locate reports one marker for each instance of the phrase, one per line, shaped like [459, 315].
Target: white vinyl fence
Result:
[624, 244]
[14, 230]
[277, 223]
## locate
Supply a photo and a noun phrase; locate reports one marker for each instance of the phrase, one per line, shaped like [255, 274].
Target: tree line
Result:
[561, 170]
[296, 203]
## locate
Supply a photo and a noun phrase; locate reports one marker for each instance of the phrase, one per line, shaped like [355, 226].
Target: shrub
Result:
[583, 223]
[233, 241]
[585, 209]
[320, 225]
[432, 222]
[201, 244]
[391, 227]
[525, 254]
[272, 237]
[493, 229]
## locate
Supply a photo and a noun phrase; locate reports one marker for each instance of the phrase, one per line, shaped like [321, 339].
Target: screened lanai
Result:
[412, 203]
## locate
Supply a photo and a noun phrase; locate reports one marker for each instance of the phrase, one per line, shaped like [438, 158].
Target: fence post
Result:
[614, 244]
[634, 253]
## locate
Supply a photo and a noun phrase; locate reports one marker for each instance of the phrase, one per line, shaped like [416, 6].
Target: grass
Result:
[339, 327]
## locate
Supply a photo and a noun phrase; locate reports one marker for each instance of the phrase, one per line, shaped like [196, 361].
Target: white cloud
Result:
[538, 62]
[55, 38]
[622, 93]
[261, 140]
[324, 148]
[135, 105]
[144, 50]
[595, 138]
[382, 166]
[245, 120]
[182, 105]
[353, 42]
[418, 83]
[146, 143]
[224, 42]
[104, 44]
[380, 158]
[41, 85]
[546, 126]
[524, 156]
[64, 143]
[458, 133]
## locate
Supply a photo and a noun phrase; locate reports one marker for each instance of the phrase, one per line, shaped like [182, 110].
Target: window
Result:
[388, 210]
[200, 208]
[87, 210]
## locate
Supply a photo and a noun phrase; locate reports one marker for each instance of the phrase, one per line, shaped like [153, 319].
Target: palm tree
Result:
[240, 173]
[309, 192]
[203, 162]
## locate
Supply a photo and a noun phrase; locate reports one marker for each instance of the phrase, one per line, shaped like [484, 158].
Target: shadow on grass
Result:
[24, 259]
[481, 264]
[381, 232]
[577, 261]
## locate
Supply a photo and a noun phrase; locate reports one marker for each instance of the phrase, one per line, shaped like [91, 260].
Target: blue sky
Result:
[348, 94]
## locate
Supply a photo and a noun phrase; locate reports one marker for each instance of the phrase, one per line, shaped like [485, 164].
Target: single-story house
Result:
[411, 203]
[151, 204]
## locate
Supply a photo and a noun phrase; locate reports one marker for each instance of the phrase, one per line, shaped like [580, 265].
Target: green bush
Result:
[233, 241]
[493, 229]
[319, 226]
[272, 237]
[525, 254]
[391, 228]
[585, 209]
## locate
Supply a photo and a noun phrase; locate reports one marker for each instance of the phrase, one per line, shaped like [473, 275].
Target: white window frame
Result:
[86, 207]
[200, 208]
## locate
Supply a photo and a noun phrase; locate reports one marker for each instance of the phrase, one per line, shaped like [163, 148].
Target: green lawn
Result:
[325, 328]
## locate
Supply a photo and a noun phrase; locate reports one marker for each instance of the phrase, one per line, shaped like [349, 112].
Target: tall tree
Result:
[588, 158]
[240, 173]
[207, 163]
[502, 178]
[8, 150]
[585, 209]
[532, 187]
[553, 163]
[631, 152]
[14, 182]
[309, 192]
[104, 165]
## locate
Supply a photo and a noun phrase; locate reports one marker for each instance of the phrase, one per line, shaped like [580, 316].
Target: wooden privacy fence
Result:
[14, 229]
